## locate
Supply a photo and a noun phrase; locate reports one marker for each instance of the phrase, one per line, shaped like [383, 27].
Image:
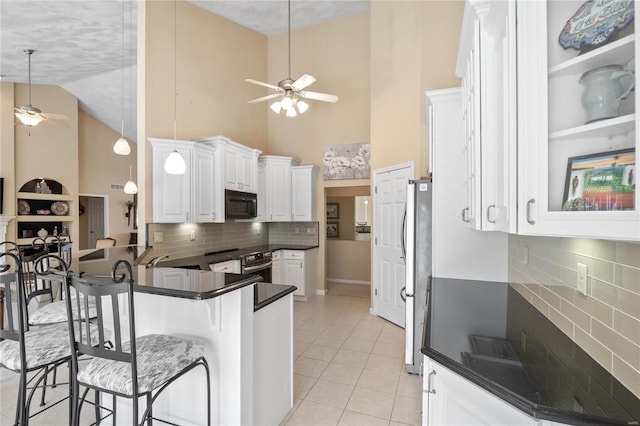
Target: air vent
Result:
[117, 187]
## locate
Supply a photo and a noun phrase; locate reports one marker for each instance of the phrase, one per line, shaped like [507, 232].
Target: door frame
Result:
[375, 228]
[105, 225]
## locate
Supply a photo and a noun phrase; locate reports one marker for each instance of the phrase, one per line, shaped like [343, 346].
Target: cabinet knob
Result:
[531, 201]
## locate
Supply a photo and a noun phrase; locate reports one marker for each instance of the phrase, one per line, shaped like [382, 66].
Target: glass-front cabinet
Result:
[577, 139]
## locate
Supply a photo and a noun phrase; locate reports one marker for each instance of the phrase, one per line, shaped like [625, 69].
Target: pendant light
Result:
[130, 187]
[121, 147]
[175, 164]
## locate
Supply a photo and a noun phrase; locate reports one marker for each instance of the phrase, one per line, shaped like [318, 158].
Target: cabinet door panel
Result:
[171, 193]
[294, 275]
[203, 185]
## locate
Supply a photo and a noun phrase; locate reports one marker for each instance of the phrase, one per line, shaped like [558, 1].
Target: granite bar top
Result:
[267, 293]
[489, 334]
[175, 282]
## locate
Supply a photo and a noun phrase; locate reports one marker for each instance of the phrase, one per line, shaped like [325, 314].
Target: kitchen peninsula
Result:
[232, 314]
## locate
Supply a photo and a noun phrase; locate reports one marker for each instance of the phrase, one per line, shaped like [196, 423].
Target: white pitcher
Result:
[604, 90]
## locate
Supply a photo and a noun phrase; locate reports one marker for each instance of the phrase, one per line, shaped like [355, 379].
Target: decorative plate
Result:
[60, 208]
[23, 207]
[595, 23]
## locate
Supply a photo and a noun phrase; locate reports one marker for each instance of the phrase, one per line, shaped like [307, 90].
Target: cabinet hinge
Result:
[375, 189]
[375, 241]
[375, 292]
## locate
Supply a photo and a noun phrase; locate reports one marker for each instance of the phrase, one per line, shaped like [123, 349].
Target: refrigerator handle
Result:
[403, 294]
[403, 236]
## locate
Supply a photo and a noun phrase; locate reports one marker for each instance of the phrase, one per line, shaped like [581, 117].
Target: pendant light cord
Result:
[175, 73]
[29, 52]
[122, 66]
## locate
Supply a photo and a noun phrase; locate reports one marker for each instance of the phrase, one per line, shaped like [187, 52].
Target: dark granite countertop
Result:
[489, 334]
[203, 261]
[183, 283]
[267, 293]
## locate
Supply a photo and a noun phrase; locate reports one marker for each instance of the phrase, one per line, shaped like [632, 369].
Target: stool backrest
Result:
[15, 323]
[113, 300]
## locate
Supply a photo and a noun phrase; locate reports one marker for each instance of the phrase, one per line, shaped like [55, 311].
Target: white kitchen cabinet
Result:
[553, 128]
[278, 187]
[449, 399]
[228, 266]
[304, 190]
[195, 196]
[239, 163]
[276, 267]
[298, 268]
[261, 215]
[487, 66]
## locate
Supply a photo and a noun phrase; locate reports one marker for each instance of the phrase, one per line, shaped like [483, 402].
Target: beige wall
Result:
[346, 217]
[7, 152]
[99, 167]
[413, 49]
[214, 56]
[349, 261]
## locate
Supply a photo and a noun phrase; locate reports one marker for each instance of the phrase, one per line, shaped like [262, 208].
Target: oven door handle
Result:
[257, 267]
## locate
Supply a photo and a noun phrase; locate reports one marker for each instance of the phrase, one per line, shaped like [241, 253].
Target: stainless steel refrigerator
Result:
[417, 251]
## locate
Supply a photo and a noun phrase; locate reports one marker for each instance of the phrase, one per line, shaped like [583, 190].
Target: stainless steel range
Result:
[257, 263]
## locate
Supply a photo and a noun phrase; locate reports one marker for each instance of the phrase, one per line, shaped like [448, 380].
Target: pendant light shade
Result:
[121, 147]
[130, 187]
[174, 164]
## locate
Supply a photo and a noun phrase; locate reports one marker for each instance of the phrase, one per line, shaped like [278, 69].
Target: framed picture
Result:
[602, 181]
[333, 211]
[333, 230]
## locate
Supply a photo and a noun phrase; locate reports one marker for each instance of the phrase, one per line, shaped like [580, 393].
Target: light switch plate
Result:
[192, 235]
[581, 282]
[158, 236]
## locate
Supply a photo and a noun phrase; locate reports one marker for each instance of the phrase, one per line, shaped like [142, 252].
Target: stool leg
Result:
[150, 416]
[96, 407]
[44, 386]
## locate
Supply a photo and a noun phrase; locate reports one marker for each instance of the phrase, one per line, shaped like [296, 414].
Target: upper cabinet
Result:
[487, 65]
[304, 203]
[278, 187]
[195, 196]
[240, 163]
[576, 119]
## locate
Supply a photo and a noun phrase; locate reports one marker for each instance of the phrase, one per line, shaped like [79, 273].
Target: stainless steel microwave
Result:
[240, 205]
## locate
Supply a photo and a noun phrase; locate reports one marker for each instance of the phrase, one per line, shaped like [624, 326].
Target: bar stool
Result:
[141, 366]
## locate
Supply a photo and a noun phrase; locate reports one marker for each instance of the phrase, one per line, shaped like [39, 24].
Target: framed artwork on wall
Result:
[333, 210]
[333, 230]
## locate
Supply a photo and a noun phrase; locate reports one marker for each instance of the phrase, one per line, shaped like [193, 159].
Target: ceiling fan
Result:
[290, 93]
[32, 116]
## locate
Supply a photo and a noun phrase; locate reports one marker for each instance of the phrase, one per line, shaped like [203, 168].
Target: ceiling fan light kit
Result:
[290, 93]
[28, 114]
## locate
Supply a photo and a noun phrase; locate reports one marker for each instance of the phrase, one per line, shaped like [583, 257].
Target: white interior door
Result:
[95, 211]
[389, 199]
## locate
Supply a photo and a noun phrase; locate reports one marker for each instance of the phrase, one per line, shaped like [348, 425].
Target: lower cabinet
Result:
[295, 267]
[276, 267]
[449, 399]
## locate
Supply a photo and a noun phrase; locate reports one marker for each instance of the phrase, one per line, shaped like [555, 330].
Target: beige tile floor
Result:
[348, 364]
[348, 368]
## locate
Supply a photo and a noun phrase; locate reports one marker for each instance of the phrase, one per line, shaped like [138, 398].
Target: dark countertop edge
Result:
[193, 295]
[528, 407]
[289, 289]
[274, 247]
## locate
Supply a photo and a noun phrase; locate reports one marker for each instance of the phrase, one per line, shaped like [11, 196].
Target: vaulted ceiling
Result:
[89, 47]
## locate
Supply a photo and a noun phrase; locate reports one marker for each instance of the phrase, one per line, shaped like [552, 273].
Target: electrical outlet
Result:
[311, 230]
[158, 237]
[297, 229]
[581, 281]
[192, 235]
[525, 255]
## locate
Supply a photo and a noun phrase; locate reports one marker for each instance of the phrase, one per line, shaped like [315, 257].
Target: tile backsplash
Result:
[605, 322]
[177, 239]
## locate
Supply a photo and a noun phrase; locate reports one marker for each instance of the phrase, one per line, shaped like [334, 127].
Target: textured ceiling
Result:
[79, 44]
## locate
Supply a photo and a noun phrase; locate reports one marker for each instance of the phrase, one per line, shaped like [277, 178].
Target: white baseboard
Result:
[339, 281]
[321, 292]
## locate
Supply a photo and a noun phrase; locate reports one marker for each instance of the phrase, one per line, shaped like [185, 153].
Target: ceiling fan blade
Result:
[260, 83]
[319, 96]
[303, 82]
[50, 116]
[265, 98]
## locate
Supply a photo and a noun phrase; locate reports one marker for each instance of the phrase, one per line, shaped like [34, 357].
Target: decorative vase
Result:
[604, 90]
[42, 233]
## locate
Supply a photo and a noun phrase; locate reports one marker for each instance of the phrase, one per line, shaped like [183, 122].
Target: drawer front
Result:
[294, 254]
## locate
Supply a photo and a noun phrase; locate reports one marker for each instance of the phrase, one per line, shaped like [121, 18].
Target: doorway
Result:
[93, 221]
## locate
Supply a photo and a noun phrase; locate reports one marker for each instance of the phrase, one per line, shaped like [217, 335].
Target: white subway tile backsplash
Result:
[605, 322]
